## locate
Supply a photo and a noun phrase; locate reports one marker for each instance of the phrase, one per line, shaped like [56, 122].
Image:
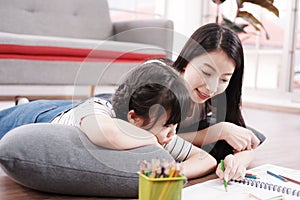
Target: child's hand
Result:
[233, 170]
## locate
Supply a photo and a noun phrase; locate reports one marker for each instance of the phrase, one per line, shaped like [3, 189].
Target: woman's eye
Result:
[205, 73]
[224, 80]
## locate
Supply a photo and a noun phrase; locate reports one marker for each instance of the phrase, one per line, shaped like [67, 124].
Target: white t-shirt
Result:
[91, 106]
[178, 147]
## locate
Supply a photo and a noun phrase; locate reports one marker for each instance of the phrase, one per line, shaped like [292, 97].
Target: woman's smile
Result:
[201, 95]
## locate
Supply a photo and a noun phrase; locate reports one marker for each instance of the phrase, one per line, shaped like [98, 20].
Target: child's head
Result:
[153, 97]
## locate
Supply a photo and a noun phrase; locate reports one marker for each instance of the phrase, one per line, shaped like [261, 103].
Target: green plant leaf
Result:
[268, 4]
[253, 21]
[238, 28]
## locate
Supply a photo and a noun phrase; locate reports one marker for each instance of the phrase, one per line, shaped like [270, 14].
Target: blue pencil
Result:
[250, 176]
[277, 176]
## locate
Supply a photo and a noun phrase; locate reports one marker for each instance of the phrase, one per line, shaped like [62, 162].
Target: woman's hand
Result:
[238, 137]
[234, 170]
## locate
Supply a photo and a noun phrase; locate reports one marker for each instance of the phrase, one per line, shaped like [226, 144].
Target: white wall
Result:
[187, 16]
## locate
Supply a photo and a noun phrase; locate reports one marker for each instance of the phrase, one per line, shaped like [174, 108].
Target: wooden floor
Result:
[281, 148]
[282, 130]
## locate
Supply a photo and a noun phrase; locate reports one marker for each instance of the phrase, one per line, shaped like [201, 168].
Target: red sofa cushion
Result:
[53, 53]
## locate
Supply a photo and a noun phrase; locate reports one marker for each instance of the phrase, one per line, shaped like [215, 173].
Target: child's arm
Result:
[195, 161]
[114, 133]
[235, 165]
[198, 163]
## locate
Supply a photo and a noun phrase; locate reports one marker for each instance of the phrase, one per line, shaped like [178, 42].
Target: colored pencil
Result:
[251, 176]
[223, 169]
[276, 176]
[254, 196]
[291, 180]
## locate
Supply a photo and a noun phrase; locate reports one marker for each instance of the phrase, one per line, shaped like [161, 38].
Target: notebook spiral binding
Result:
[270, 186]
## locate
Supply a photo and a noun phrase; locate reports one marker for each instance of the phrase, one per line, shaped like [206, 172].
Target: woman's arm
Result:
[198, 163]
[238, 137]
[114, 133]
[235, 165]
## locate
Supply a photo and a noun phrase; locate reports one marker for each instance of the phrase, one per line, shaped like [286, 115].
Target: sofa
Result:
[74, 42]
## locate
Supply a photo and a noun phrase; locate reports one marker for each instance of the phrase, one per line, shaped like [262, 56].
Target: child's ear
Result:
[134, 119]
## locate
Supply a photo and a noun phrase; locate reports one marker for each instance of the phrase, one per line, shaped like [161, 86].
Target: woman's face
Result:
[208, 75]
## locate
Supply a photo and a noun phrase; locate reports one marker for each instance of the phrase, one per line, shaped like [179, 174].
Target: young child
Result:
[152, 98]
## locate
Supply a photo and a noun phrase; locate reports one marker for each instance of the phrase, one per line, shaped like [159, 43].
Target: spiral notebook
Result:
[267, 187]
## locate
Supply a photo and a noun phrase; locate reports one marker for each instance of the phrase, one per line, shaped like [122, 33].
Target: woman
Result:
[212, 64]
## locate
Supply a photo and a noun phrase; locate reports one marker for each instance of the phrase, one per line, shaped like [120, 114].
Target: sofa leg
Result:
[92, 90]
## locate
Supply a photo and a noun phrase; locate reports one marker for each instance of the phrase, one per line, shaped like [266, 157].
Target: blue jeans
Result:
[39, 111]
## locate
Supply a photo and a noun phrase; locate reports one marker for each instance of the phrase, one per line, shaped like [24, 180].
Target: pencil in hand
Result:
[224, 181]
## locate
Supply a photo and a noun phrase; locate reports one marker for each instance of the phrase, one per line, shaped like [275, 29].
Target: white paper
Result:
[214, 189]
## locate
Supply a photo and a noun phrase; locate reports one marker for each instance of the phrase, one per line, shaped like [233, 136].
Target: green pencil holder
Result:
[160, 188]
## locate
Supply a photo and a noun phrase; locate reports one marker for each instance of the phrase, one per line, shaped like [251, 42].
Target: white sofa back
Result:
[88, 19]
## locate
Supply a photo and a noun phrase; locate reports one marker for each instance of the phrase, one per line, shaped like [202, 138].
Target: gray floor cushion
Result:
[60, 159]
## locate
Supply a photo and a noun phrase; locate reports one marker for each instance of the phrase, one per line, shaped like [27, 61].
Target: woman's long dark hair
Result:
[152, 84]
[213, 37]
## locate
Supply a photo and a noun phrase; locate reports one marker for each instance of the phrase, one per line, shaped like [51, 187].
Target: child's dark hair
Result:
[151, 84]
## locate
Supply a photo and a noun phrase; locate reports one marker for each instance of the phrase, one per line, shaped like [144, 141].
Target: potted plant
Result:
[245, 15]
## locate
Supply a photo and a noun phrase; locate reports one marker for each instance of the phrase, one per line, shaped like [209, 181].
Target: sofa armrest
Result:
[157, 32]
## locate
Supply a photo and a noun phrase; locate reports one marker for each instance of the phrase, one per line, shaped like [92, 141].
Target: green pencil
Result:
[223, 169]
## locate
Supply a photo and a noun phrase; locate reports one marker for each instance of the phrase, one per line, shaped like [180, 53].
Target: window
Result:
[270, 65]
[136, 9]
[295, 79]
